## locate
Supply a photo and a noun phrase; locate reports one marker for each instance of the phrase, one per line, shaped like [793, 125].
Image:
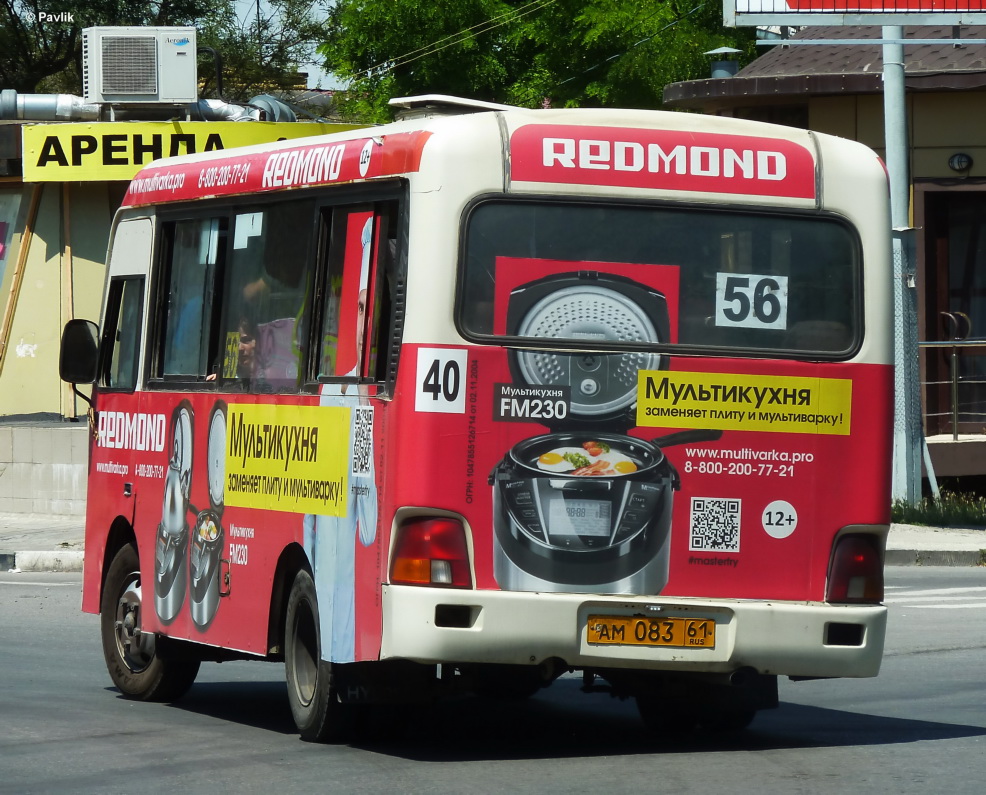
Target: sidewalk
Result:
[31, 542]
[34, 542]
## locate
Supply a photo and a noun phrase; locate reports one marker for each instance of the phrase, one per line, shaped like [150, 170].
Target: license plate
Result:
[697, 633]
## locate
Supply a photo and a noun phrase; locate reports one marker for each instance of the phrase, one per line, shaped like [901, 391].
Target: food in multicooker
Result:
[592, 458]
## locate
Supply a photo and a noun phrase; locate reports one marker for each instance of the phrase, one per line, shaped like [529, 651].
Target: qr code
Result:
[362, 440]
[714, 525]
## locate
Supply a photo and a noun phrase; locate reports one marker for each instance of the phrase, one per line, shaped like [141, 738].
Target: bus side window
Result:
[121, 333]
[358, 298]
[348, 278]
[265, 303]
[196, 249]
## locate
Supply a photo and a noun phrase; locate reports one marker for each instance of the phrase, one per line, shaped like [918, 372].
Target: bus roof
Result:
[615, 148]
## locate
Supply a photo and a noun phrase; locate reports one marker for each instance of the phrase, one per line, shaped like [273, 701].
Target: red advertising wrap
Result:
[290, 166]
[228, 483]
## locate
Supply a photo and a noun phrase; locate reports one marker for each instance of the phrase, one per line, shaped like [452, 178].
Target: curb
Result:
[42, 561]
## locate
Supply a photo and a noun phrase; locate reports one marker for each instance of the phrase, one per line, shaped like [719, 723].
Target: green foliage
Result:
[949, 510]
[586, 53]
[41, 55]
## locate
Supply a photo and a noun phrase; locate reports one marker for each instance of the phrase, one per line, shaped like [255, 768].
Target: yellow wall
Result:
[940, 125]
[29, 382]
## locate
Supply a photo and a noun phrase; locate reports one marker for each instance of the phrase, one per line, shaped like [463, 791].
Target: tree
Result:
[261, 55]
[40, 45]
[43, 54]
[524, 52]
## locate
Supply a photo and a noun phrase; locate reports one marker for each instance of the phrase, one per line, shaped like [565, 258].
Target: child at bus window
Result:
[246, 349]
[268, 348]
[277, 356]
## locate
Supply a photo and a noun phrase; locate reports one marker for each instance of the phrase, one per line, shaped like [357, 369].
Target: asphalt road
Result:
[918, 727]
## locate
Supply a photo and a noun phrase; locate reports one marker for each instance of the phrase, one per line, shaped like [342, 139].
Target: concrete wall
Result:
[43, 468]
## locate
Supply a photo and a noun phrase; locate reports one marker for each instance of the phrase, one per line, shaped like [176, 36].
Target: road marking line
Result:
[940, 591]
[77, 583]
[897, 598]
[978, 606]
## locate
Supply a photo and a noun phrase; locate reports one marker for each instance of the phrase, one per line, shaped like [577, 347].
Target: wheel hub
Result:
[136, 647]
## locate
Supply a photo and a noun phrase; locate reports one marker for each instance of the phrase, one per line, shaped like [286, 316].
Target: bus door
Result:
[113, 470]
[357, 340]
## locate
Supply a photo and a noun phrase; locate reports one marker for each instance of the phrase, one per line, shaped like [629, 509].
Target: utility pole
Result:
[908, 433]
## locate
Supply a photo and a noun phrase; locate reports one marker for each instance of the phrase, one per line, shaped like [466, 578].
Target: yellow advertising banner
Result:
[288, 458]
[102, 151]
[724, 401]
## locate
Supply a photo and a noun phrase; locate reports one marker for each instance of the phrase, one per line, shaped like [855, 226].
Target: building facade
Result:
[838, 89]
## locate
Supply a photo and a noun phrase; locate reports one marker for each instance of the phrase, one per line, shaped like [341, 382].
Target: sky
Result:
[246, 11]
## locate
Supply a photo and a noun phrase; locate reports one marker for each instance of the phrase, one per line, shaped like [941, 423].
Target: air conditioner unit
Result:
[139, 65]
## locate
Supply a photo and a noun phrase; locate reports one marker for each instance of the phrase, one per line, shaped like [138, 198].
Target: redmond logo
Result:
[699, 161]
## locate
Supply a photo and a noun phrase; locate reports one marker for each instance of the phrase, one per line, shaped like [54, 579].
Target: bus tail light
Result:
[431, 551]
[855, 571]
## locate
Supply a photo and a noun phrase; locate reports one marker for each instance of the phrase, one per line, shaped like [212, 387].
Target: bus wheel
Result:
[318, 713]
[131, 654]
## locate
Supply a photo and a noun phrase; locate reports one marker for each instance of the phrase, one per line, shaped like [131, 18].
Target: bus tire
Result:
[315, 706]
[134, 665]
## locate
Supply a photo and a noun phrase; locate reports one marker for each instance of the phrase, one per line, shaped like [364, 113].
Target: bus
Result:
[489, 396]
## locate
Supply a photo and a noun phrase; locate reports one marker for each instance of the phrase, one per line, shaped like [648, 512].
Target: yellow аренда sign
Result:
[102, 151]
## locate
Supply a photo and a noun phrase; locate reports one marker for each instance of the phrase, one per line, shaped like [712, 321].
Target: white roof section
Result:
[444, 104]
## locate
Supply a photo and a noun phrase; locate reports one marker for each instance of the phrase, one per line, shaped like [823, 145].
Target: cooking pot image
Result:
[566, 523]
[208, 535]
[171, 547]
[587, 507]
[589, 307]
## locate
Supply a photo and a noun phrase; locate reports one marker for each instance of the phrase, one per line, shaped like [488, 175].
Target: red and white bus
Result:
[473, 400]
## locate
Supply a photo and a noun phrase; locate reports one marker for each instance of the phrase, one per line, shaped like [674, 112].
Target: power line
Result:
[466, 30]
[632, 46]
[481, 27]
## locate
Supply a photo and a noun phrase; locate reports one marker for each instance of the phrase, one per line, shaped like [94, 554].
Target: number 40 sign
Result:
[440, 377]
[749, 300]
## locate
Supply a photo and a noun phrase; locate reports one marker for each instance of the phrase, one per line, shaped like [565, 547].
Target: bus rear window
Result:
[598, 275]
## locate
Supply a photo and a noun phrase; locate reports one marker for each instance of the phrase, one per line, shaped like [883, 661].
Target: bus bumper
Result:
[798, 639]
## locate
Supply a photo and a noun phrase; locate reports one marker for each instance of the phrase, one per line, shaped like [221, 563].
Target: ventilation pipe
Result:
[724, 64]
[46, 107]
[66, 107]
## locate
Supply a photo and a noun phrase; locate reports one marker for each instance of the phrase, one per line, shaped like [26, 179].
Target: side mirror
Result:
[79, 356]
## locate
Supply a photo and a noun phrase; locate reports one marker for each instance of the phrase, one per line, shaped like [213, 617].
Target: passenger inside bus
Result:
[267, 287]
